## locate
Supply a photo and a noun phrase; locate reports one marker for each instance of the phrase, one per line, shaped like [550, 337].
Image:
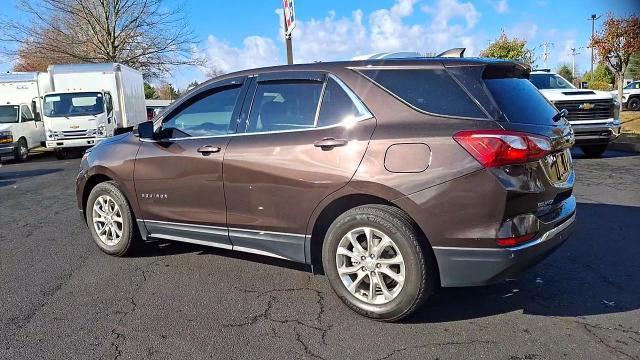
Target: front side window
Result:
[26, 114]
[284, 105]
[429, 90]
[8, 114]
[633, 85]
[549, 81]
[73, 104]
[338, 106]
[109, 102]
[206, 114]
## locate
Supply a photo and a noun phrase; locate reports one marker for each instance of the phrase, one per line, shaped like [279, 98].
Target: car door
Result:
[178, 178]
[29, 127]
[305, 135]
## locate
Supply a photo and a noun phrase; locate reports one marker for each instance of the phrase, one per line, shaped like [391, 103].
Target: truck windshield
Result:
[73, 104]
[549, 81]
[8, 114]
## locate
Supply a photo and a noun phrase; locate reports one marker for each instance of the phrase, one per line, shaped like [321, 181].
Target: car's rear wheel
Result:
[375, 263]
[21, 152]
[110, 220]
[593, 150]
[633, 104]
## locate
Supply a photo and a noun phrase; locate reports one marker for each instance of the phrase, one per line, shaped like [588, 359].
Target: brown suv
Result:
[393, 177]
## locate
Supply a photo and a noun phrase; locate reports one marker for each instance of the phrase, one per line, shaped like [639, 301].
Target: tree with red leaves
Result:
[617, 40]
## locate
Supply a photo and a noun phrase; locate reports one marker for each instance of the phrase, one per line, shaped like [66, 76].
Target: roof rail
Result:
[453, 53]
[545, 70]
[388, 55]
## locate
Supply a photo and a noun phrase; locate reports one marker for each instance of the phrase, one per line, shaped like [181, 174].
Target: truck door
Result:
[32, 130]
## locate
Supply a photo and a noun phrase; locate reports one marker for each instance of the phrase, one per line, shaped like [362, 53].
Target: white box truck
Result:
[21, 126]
[89, 102]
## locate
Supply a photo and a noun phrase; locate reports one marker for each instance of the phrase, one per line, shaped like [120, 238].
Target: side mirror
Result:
[145, 130]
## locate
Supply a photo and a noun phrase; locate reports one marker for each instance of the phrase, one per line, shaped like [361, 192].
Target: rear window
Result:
[521, 102]
[429, 90]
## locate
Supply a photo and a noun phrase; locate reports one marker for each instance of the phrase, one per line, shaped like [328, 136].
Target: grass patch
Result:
[630, 122]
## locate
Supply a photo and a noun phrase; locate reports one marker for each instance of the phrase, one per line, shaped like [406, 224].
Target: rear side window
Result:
[338, 106]
[285, 105]
[429, 90]
[521, 102]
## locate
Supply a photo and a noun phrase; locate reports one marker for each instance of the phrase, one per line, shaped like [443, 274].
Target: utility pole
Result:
[573, 61]
[289, 23]
[593, 19]
[287, 40]
[545, 55]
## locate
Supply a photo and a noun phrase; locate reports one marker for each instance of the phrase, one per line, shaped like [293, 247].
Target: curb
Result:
[625, 146]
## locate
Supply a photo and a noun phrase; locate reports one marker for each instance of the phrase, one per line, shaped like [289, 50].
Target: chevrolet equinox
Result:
[392, 177]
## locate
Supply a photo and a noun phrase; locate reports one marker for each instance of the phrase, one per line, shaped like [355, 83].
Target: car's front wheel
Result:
[634, 104]
[110, 220]
[375, 263]
[21, 152]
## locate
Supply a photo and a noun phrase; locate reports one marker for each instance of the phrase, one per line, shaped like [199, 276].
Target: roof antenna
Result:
[453, 53]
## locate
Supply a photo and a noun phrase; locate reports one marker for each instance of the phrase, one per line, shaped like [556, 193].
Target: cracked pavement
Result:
[60, 297]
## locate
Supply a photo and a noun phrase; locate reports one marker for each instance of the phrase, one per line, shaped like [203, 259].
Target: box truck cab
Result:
[89, 103]
[21, 128]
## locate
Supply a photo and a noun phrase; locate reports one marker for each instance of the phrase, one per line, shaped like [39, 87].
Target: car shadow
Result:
[576, 153]
[591, 274]
[5, 176]
[164, 248]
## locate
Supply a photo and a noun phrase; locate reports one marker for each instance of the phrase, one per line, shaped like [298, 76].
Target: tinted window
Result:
[207, 114]
[430, 90]
[520, 101]
[280, 105]
[338, 106]
[549, 81]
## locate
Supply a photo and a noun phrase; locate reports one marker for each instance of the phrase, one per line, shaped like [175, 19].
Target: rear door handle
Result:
[329, 143]
[208, 149]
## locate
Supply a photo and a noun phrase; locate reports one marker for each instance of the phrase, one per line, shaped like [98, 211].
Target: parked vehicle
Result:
[594, 115]
[155, 106]
[21, 128]
[89, 103]
[630, 96]
[392, 177]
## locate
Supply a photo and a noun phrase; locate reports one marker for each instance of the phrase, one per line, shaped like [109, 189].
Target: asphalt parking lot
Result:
[61, 298]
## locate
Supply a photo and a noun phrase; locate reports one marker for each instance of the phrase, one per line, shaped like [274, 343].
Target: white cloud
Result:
[501, 6]
[446, 24]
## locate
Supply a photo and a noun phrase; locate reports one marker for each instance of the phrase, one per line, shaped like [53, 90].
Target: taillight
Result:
[502, 147]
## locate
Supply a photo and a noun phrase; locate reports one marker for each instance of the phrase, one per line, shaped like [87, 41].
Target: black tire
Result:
[61, 154]
[633, 104]
[593, 151]
[420, 266]
[130, 237]
[21, 151]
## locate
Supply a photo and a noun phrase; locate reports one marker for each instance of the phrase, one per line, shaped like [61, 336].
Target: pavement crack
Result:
[590, 329]
[437, 344]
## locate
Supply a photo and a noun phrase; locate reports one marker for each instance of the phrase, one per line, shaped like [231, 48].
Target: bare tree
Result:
[145, 34]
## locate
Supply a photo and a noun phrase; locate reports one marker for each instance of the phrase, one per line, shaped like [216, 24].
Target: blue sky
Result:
[243, 34]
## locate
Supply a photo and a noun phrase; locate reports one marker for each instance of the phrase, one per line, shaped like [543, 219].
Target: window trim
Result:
[352, 95]
[359, 70]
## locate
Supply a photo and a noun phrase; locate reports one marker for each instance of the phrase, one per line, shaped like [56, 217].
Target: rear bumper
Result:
[73, 143]
[481, 266]
[594, 134]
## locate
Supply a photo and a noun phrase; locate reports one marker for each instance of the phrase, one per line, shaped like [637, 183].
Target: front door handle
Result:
[208, 149]
[329, 143]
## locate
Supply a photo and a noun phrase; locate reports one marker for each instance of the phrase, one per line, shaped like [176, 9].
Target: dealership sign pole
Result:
[289, 24]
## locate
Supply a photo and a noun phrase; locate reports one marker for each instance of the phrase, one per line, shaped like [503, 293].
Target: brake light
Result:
[514, 240]
[494, 148]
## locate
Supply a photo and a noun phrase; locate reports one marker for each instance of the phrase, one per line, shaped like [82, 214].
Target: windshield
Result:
[8, 114]
[73, 104]
[549, 81]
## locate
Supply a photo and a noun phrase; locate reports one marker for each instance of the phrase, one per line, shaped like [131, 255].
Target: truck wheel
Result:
[21, 152]
[375, 263]
[633, 104]
[61, 154]
[593, 151]
[110, 220]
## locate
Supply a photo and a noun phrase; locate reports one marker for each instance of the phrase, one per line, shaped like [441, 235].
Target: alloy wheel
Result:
[107, 220]
[370, 265]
